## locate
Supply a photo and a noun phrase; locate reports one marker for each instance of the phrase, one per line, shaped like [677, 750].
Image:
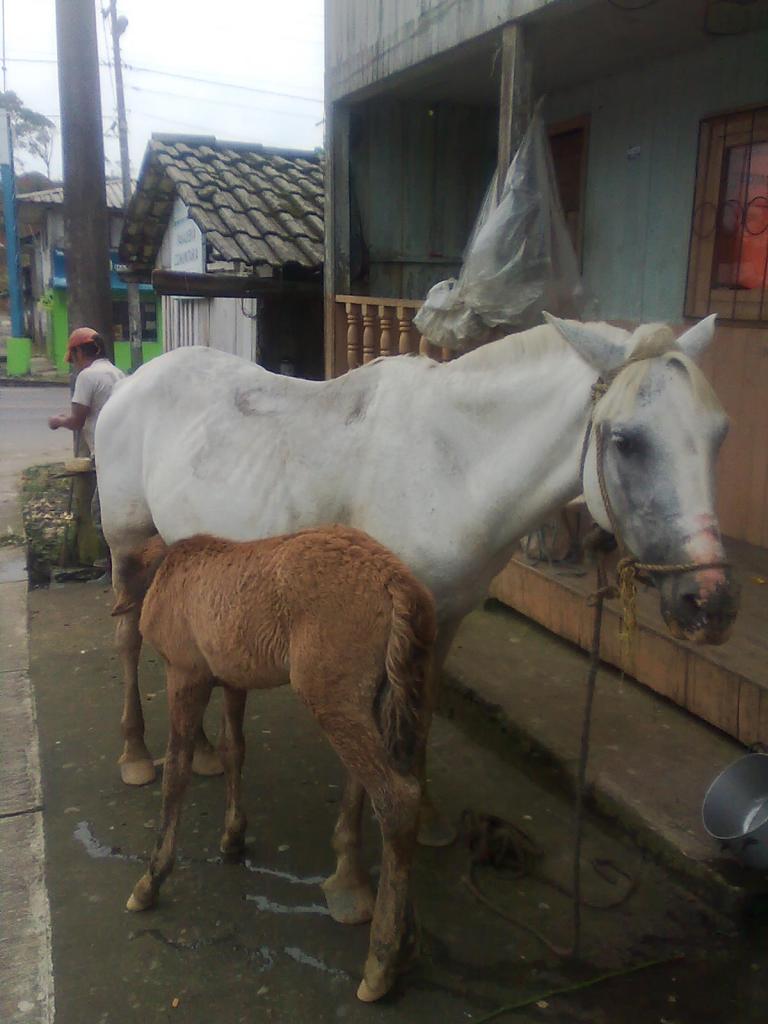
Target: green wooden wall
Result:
[641, 168]
[418, 174]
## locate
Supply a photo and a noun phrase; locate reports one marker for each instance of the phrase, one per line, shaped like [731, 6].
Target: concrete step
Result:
[650, 761]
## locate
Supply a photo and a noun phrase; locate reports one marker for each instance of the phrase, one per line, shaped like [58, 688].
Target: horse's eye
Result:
[624, 443]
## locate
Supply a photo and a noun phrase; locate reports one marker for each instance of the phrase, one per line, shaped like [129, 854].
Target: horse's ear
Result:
[697, 338]
[592, 346]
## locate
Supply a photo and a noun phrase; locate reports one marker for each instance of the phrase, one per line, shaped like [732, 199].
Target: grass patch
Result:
[47, 515]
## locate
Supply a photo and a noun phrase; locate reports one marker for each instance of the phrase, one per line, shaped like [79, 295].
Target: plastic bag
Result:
[519, 259]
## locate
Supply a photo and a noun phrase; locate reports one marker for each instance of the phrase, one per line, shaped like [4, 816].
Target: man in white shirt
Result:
[95, 379]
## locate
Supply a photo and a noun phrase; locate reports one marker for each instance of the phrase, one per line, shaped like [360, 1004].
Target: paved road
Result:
[26, 990]
[25, 440]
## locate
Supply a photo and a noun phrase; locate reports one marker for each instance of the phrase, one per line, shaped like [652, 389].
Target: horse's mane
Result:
[652, 342]
[533, 344]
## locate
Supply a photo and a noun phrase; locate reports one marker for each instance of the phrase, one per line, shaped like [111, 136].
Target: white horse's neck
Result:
[526, 402]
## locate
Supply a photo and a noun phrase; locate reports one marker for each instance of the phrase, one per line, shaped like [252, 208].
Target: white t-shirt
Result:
[92, 388]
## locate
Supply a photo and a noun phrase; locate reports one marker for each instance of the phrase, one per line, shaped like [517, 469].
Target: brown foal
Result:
[348, 625]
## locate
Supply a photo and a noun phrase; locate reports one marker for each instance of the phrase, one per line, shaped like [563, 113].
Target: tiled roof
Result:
[52, 196]
[255, 206]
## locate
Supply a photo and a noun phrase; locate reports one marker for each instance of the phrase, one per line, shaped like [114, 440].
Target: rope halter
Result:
[630, 570]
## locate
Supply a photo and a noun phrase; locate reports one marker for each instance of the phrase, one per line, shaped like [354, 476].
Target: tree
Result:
[32, 132]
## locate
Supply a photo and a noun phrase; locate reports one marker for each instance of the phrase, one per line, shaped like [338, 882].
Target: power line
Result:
[226, 85]
[222, 102]
[181, 77]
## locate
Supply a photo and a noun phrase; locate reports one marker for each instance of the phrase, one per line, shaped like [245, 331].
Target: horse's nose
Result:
[700, 606]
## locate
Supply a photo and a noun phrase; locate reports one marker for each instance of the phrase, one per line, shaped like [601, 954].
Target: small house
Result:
[230, 235]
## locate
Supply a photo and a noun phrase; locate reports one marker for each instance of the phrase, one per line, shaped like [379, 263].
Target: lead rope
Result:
[586, 726]
[629, 571]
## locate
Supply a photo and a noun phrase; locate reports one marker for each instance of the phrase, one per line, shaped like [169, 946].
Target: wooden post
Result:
[387, 322]
[404, 326]
[85, 201]
[369, 332]
[337, 236]
[514, 99]
[353, 335]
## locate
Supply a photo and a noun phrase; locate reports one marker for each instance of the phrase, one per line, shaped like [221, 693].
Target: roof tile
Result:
[255, 205]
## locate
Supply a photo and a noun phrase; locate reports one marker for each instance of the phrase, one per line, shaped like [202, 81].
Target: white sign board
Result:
[186, 242]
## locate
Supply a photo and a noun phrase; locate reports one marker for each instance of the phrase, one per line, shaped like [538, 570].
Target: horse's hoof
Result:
[144, 895]
[206, 761]
[369, 994]
[364, 994]
[435, 831]
[137, 773]
[143, 901]
[348, 904]
[232, 846]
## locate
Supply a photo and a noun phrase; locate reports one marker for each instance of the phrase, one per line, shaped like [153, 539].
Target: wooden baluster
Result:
[369, 333]
[425, 348]
[387, 322]
[446, 354]
[353, 335]
[404, 324]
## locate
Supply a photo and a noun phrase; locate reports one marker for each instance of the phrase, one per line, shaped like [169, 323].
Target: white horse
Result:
[447, 465]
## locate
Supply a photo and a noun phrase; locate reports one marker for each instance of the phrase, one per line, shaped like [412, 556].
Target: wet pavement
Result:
[252, 941]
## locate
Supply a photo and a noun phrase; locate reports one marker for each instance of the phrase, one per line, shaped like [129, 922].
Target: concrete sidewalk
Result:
[26, 991]
[650, 761]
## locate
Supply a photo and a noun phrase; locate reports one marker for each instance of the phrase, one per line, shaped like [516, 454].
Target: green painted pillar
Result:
[59, 328]
[19, 357]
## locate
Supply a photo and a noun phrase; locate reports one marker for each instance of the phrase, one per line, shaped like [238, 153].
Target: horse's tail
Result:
[135, 574]
[402, 704]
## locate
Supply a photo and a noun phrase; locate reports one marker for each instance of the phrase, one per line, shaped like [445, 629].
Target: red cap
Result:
[82, 336]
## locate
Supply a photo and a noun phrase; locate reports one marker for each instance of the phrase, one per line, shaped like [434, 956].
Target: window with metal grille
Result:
[728, 263]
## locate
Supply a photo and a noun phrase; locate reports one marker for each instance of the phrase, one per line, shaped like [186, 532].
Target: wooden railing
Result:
[382, 327]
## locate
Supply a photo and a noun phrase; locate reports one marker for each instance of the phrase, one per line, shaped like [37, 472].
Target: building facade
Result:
[44, 275]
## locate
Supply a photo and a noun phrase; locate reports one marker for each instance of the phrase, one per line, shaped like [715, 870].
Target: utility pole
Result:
[85, 200]
[11, 230]
[119, 26]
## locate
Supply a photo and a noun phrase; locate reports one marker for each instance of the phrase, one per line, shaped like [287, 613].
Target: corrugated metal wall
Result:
[217, 323]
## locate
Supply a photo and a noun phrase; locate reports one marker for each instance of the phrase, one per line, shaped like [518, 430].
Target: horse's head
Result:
[658, 427]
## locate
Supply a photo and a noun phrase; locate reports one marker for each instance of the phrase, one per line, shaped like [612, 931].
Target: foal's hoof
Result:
[206, 761]
[367, 995]
[368, 991]
[143, 897]
[348, 904]
[232, 845]
[137, 773]
[434, 830]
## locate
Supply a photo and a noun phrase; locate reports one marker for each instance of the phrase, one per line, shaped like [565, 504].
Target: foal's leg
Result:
[206, 759]
[187, 698]
[136, 768]
[348, 891]
[395, 800]
[232, 750]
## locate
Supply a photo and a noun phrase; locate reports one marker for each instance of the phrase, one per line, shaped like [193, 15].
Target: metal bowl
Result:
[735, 810]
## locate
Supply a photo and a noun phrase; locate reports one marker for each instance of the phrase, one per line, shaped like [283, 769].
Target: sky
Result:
[262, 61]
